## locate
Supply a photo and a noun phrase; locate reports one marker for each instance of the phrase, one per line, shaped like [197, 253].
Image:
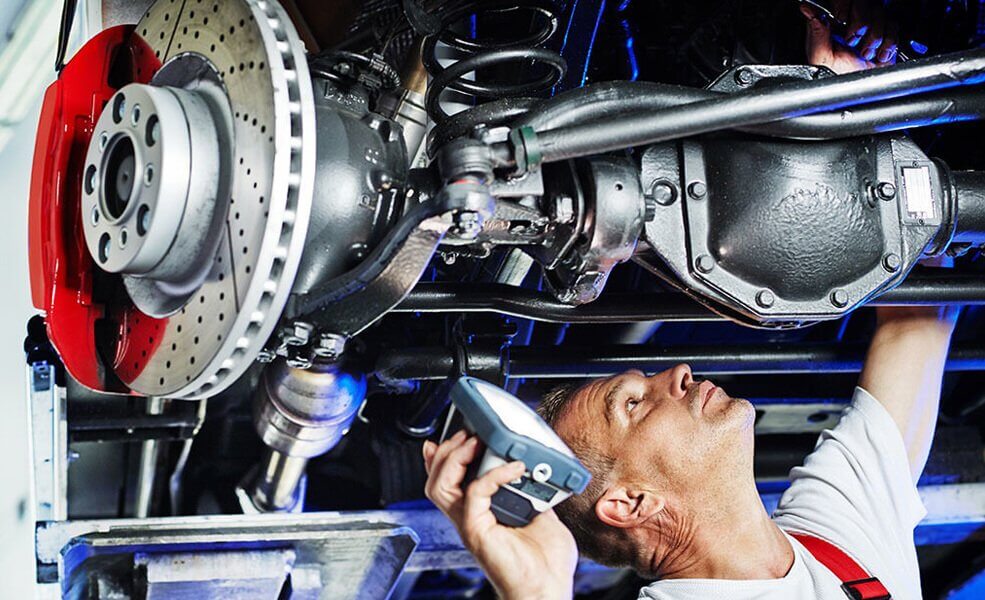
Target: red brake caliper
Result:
[63, 275]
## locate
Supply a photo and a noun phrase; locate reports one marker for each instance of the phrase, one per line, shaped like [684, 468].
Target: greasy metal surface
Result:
[801, 226]
[613, 224]
[361, 170]
[581, 362]
[357, 555]
[954, 513]
[245, 575]
[254, 48]
[935, 287]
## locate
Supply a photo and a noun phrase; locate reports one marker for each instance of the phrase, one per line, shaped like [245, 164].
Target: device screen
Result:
[532, 488]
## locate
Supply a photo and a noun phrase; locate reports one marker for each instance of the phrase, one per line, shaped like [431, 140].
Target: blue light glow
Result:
[591, 43]
[634, 67]
[625, 4]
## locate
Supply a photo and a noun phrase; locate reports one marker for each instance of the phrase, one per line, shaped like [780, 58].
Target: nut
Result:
[765, 298]
[705, 263]
[892, 262]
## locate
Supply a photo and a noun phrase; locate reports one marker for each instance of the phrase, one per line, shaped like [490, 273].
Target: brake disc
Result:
[198, 190]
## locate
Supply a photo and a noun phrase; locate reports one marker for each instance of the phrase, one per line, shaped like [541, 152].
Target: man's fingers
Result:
[433, 465]
[818, 36]
[445, 483]
[478, 497]
[859, 23]
[428, 451]
[889, 48]
[868, 49]
[446, 448]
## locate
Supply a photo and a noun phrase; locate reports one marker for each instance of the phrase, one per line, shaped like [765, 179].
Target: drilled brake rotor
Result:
[250, 51]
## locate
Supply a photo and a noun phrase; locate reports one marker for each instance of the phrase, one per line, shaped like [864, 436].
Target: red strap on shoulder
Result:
[855, 580]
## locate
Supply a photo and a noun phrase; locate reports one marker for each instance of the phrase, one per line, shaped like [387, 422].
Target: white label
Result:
[919, 197]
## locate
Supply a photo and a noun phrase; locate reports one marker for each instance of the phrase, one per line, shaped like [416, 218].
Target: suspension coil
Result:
[547, 66]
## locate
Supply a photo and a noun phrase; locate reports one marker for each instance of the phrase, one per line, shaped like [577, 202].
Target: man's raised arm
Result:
[903, 371]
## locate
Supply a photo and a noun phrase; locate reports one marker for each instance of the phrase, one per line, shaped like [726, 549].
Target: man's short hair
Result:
[595, 539]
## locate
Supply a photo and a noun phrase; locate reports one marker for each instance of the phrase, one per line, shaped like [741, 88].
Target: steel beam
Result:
[927, 287]
[573, 362]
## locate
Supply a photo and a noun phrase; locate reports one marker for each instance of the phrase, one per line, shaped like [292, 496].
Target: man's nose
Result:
[676, 381]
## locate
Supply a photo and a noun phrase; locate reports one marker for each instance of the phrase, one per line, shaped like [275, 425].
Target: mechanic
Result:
[673, 494]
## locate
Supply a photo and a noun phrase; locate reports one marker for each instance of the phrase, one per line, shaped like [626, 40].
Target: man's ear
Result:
[624, 507]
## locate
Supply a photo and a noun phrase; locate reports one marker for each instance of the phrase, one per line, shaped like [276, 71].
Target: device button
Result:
[517, 451]
[542, 472]
[574, 481]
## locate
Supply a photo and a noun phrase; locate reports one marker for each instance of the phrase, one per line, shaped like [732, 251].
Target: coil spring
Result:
[483, 54]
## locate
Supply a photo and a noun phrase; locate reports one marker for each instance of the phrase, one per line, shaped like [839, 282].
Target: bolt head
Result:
[697, 189]
[564, 209]
[468, 224]
[839, 298]
[663, 192]
[330, 345]
[743, 77]
[765, 298]
[886, 190]
[705, 263]
[892, 262]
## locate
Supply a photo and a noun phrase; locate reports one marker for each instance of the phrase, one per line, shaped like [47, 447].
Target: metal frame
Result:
[955, 513]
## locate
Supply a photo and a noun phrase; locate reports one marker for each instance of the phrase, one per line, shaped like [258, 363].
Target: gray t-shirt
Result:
[855, 491]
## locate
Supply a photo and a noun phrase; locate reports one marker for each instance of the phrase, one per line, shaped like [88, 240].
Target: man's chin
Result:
[741, 413]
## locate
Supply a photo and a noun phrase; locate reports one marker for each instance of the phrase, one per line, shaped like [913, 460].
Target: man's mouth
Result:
[706, 391]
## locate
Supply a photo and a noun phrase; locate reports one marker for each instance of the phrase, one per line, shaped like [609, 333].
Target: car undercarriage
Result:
[265, 236]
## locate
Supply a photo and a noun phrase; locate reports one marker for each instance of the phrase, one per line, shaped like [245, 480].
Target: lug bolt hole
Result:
[119, 108]
[123, 238]
[148, 174]
[90, 179]
[153, 130]
[143, 219]
[135, 115]
[104, 246]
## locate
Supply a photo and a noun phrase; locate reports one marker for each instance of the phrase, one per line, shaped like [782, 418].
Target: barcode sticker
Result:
[918, 192]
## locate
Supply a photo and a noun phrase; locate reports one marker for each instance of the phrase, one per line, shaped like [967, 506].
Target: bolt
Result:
[296, 360]
[329, 345]
[765, 298]
[266, 355]
[663, 192]
[297, 333]
[697, 189]
[564, 209]
[743, 77]
[839, 298]
[892, 262]
[467, 224]
[705, 263]
[886, 190]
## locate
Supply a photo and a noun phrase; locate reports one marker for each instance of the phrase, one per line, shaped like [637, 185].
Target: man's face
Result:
[667, 431]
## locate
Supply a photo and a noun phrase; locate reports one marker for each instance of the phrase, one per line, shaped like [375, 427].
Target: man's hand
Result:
[869, 42]
[536, 562]
[903, 371]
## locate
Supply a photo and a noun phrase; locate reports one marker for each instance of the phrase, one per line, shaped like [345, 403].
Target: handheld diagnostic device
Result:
[510, 431]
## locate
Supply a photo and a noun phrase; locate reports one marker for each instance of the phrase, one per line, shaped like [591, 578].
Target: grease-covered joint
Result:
[465, 158]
